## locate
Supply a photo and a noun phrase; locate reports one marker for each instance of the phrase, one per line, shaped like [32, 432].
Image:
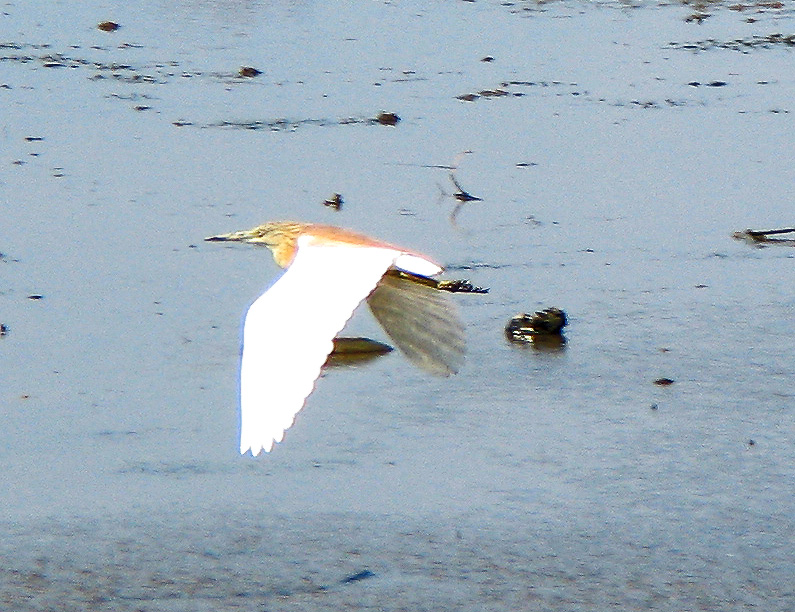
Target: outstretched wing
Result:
[289, 329]
[422, 321]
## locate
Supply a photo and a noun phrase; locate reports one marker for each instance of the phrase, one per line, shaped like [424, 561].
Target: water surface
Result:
[625, 149]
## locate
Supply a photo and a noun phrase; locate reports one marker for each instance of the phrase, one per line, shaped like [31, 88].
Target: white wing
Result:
[416, 265]
[289, 330]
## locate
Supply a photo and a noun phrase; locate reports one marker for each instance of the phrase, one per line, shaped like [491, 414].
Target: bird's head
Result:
[279, 237]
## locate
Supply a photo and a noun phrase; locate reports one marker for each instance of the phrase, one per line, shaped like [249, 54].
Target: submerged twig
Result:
[461, 195]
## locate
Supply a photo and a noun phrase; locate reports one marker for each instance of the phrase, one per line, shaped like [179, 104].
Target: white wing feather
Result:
[289, 329]
[415, 264]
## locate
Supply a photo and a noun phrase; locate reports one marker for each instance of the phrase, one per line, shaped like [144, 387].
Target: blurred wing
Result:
[289, 330]
[422, 322]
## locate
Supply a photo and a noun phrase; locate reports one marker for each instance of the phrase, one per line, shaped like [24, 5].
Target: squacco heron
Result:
[289, 330]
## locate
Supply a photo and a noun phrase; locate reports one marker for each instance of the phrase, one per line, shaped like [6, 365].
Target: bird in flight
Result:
[289, 330]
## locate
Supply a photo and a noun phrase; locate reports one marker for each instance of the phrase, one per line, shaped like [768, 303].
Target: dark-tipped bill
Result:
[243, 236]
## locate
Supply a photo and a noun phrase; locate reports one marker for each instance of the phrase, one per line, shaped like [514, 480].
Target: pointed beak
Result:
[243, 236]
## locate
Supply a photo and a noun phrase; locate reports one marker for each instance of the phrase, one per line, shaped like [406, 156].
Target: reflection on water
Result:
[611, 177]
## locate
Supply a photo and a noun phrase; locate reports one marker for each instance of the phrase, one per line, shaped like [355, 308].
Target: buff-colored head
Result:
[279, 236]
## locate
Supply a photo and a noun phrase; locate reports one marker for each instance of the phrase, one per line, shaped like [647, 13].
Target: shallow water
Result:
[612, 175]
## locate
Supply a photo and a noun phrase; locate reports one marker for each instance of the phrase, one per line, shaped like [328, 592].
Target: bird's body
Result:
[289, 330]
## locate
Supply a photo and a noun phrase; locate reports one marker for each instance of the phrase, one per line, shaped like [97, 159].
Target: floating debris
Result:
[545, 326]
[496, 93]
[283, 124]
[130, 97]
[664, 382]
[53, 63]
[738, 44]
[756, 5]
[364, 574]
[762, 238]
[335, 202]
[163, 72]
[248, 72]
[697, 17]
[108, 26]
[487, 93]
[387, 118]
[547, 321]
[509, 88]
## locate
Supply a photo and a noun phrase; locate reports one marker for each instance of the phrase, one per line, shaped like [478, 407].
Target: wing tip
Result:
[256, 447]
